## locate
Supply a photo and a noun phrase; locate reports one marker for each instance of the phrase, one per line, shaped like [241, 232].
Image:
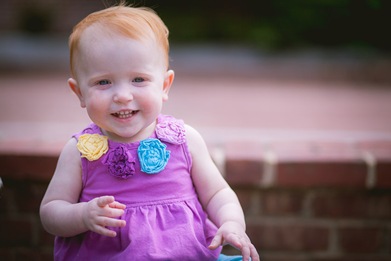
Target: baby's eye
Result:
[104, 82]
[138, 79]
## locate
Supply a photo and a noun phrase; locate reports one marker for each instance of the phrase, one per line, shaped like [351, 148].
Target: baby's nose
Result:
[123, 94]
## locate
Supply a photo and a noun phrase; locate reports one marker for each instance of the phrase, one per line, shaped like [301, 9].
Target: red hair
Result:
[134, 22]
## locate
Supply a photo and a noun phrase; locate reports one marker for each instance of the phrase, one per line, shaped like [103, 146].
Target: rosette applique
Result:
[121, 163]
[92, 146]
[153, 155]
[171, 131]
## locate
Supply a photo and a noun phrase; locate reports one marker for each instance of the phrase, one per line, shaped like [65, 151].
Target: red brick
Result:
[322, 174]
[23, 197]
[45, 239]
[359, 204]
[243, 172]
[281, 202]
[30, 254]
[388, 234]
[15, 232]
[283, 257]
[383, 174]
[6, 253]
[24, 253]
[6, 200]
[361, 240]
[28, 167]
[381, 152]
[354, 257]
[289, 237]
[307, 164]
[246, 200]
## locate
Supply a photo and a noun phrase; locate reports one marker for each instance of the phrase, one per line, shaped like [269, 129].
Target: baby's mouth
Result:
[124, 114]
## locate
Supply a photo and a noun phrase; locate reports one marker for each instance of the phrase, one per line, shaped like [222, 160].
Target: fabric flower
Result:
[153, 156]
[121, 163]
[92, 146]
[171, 131]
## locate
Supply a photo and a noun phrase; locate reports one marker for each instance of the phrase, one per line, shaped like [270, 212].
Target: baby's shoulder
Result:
[70, 153]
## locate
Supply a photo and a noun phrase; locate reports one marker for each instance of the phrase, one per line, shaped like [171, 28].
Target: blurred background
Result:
[277, 25]
[293, 97]
[336, 28]
[274, 65]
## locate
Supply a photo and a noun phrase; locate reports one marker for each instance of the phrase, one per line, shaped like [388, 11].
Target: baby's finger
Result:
[246, 252]
[112, 212]
[254, 253]
[113, 222]
[104, 231]
[235, 241]
[105, 200]
[116, 204]
[216, 242]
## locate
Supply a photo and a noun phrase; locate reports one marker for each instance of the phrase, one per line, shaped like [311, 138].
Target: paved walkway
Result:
[41, 108]
[226, 97]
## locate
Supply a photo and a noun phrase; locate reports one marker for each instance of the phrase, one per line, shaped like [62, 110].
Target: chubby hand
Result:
[233, 233]
[103, 212]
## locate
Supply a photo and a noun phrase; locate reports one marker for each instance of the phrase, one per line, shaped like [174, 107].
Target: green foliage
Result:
[280, 24]
[35, 19]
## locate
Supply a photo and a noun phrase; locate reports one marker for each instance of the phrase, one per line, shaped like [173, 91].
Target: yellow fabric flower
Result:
[92, 146]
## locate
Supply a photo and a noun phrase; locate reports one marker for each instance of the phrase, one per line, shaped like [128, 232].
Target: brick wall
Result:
[303, 201]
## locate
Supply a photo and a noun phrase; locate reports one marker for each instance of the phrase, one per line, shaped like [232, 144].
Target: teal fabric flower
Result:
[153, 156]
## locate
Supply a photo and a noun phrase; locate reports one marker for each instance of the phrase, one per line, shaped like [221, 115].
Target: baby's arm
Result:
[218, 199]
[62, 215]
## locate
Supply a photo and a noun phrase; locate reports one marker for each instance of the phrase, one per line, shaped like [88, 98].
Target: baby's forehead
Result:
[96, 40]
[96, 33]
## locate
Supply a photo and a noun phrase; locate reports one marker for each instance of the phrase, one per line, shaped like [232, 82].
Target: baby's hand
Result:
[102, 212]
[233, 233]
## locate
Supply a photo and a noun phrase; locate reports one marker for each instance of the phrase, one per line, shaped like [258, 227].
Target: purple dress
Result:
[164, 218]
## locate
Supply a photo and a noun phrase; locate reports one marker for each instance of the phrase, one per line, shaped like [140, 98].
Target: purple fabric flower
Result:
[121, 163]
[171, 131]
[153, 156]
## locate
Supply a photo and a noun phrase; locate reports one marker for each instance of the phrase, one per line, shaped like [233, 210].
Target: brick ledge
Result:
[304, 164]
[256, 159]
[366, 165]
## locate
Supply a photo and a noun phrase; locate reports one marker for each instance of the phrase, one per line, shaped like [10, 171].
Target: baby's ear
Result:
[76, 89]
[168, 80]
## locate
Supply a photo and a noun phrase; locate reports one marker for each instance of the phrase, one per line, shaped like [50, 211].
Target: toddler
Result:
[135, 184]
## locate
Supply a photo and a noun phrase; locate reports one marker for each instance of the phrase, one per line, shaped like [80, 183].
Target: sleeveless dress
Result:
[164, 218]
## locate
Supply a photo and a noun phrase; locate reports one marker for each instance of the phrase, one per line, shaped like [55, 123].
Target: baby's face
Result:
[96, 42]
[123, 83]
